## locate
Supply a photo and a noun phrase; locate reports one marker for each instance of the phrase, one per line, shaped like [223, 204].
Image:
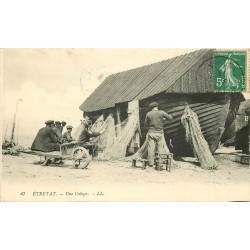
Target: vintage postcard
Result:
[125, 124]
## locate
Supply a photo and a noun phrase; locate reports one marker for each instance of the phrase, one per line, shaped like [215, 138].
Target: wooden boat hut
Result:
[173, 83]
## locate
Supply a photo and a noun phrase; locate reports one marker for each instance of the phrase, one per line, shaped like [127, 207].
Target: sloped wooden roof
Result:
[189, 73]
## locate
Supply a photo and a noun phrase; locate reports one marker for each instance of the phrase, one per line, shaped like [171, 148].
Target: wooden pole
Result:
[5, 132]
[17, 133]
[14, 122]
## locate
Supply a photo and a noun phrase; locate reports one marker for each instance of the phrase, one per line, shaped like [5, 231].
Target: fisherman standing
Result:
[45, 139]
[155, 122]
[67, 135]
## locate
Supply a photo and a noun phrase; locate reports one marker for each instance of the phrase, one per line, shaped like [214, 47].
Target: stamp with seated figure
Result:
[230, 70]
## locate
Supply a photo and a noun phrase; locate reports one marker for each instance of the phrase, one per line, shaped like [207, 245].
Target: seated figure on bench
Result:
[67, 137]
[45, 139]
[86, 134]
[58, 131]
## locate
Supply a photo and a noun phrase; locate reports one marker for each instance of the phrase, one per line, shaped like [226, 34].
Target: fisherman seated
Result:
[45, 140]
[87, 134]
[58, 131]
[67, 135]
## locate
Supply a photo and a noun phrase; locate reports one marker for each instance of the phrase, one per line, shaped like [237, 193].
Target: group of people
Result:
[50, 137]
[58, 128]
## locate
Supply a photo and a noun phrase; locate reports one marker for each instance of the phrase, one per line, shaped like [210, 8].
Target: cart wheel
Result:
[82, 157]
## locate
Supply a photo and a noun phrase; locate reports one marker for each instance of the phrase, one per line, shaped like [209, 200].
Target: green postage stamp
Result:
[230, 70]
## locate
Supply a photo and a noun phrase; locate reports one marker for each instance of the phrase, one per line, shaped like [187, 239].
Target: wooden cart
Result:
[68, 151]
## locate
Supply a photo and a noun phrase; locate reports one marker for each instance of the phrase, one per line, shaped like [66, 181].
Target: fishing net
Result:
[116, 138]
[78, 131]
[95, 128]
[108, 137]
[196, 139]
[142, 153]
[98, 124]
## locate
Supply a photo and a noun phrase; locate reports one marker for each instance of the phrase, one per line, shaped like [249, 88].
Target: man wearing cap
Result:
[155, 122]
[63, 123]
[67, 135]
[57, 130]
[45, 139]
[86, 134]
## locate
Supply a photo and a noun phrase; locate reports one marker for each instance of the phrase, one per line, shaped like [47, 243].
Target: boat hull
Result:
[215, 111]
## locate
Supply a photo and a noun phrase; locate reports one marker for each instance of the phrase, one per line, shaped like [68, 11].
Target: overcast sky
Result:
[54, 82]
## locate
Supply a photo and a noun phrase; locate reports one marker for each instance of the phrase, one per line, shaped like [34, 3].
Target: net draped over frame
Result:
[196, 139]
[115, 139]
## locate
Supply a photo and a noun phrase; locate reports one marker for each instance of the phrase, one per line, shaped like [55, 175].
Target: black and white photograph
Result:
[125, 125]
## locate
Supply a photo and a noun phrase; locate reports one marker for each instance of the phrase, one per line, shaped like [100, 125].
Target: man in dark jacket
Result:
[155, 122]
[87, 133]
[45, 139]
[58, 131]
[85, 136]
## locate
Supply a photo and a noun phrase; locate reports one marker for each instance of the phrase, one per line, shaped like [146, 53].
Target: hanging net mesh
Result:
[116, 138]
[108, 137]
[98, 124]
[114, 142]
[142, 153]
[196, 139]
[78, 131]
